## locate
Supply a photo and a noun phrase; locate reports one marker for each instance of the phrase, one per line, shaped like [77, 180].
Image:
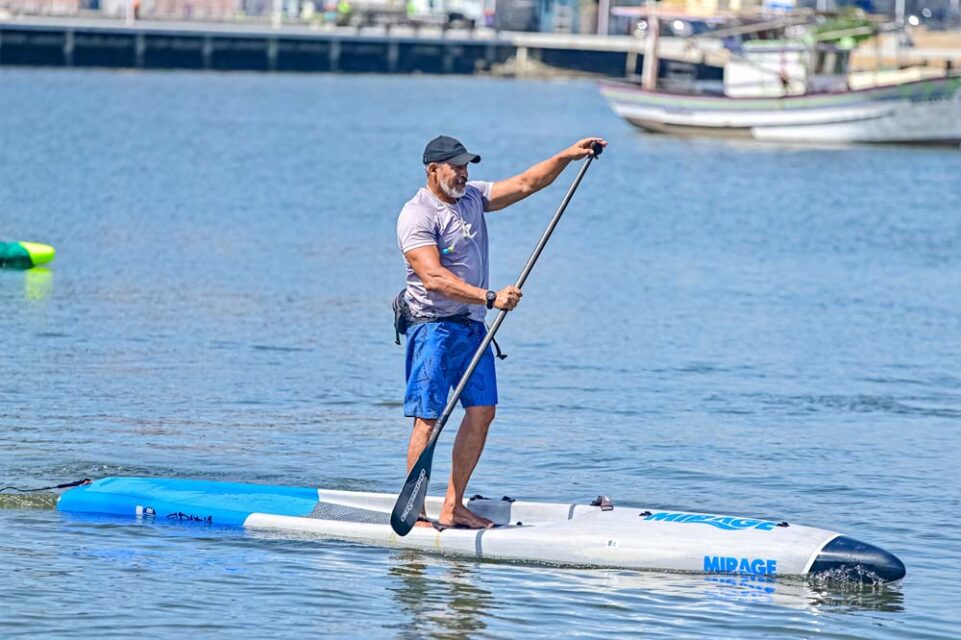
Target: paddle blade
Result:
[410, 502]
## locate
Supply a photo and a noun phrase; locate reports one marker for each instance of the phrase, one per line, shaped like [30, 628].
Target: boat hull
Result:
[920, 112]
[561, 534]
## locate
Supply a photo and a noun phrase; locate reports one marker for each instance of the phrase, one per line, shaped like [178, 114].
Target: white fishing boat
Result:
[598, 534]
[799, 91]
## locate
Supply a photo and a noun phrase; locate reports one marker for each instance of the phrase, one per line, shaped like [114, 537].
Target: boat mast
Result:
[899, 8]
[649, 72]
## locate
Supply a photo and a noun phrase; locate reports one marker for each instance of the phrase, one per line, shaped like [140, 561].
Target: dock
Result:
[103, 43]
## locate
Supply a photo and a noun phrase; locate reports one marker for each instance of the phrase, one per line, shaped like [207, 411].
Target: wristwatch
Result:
[491, 296]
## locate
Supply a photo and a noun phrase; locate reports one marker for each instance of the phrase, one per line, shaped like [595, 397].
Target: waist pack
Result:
[405, 319]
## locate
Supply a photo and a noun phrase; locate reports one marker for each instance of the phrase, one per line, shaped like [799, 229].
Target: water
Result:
[758, 330]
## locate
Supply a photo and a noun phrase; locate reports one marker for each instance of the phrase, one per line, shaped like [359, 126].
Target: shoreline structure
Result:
[102, 43]
[218, 46]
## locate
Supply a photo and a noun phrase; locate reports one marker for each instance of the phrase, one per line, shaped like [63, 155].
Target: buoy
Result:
[24, 255]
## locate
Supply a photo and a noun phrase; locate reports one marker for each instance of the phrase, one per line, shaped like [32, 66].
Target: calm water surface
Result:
[758, 330]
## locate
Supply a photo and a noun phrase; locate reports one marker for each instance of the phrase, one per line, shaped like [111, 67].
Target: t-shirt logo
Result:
[465, 228]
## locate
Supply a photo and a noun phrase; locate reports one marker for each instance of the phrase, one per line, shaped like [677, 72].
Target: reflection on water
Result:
[877, 598]
[37, 283]
[791, 592]
[805, 593]
[440, 601]
[445, 598]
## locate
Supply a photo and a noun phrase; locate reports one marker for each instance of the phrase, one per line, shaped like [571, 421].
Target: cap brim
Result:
[464, 158]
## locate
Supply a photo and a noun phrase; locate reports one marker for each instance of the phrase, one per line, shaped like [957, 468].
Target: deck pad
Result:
[344, 513]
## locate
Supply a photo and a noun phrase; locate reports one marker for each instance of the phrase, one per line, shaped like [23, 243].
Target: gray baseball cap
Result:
[447, 149]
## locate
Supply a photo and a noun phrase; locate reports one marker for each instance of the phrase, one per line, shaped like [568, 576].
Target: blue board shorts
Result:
[437, 356]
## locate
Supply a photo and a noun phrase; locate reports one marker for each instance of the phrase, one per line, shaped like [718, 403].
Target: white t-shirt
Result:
[460, 233]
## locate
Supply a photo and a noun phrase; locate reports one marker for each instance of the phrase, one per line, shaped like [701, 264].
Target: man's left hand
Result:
[582, 148]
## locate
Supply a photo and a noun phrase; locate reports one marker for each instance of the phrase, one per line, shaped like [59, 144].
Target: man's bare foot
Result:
[461, 516]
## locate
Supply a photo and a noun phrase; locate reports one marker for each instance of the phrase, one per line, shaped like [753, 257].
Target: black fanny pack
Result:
[405, 319]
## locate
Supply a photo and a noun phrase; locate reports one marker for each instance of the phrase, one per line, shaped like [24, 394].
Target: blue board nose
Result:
[858, 559]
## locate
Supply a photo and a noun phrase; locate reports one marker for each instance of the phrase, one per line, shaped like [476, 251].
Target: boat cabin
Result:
[778, 68]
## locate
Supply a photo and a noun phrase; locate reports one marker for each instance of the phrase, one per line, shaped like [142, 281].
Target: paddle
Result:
[411, 499]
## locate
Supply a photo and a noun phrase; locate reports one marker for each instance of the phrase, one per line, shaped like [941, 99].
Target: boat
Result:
[24, 255]
[920, 112]
[796, 88]
[596, 534]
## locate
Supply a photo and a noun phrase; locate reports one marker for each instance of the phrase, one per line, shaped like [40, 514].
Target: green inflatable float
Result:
[24, 255]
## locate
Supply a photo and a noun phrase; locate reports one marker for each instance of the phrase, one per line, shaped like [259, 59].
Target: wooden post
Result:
[603, 16]
[208, 51]
[272, 52]
[448, 60]
[393, 55]
[630, 65]
[140, 49]
[335, 55]
[68, 43]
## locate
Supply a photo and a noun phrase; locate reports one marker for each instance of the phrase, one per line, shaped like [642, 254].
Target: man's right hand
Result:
[508, 297]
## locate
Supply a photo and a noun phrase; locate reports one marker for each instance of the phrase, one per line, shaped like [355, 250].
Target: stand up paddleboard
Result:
[598, 534]
[24, 255]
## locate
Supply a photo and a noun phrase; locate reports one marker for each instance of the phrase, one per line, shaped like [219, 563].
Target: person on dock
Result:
[442, 233]
[344, 13]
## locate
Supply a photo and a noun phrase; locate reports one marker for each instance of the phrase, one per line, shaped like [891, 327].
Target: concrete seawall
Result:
[78, 42]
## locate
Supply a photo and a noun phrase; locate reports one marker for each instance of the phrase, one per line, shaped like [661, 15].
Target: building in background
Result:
[560, 16]
[42, 7]
[614, 17]
[516, 15]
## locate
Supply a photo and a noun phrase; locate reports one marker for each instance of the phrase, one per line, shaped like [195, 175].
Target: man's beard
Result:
[453, 192]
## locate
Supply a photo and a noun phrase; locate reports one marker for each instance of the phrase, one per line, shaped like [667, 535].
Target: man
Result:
[443, 235]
